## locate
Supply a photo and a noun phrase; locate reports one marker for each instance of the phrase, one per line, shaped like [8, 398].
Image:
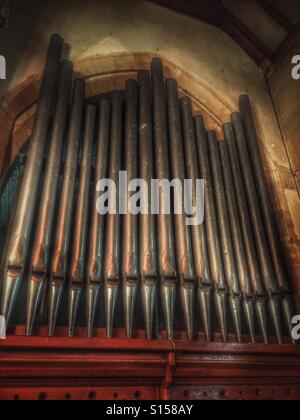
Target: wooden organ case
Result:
[138, 306]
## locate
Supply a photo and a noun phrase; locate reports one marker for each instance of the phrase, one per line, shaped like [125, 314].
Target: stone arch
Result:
[102, 74]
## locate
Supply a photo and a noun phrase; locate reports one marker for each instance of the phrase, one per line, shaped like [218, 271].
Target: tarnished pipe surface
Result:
[112, 263]
[78, 257]
[45, 220]
[238, 243]
[263, 194]
[183, 241]
[268, 213]
[147, 233]
[95, 259]
[247, 232]
[21, 223]
[130, 252]
[166, 247]
[61, 249]
[212, 229]
[225, 235]
[258, 226]
[199, 237]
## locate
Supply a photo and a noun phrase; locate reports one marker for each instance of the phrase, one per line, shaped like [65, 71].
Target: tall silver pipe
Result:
[78, 258]
[212, 229]
[247, 233]
[112, 264]
[97, 230]
[61, 249]
[21, 223]
[183, 241]
[238, 243]
[270, 223]
[44, 227]
[130, 251]
[166, 247]
[147, 226]
[226, 235]
[199, 236]
[264, 256]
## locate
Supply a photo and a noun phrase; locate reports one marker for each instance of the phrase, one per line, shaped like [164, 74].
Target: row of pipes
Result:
[234, 259]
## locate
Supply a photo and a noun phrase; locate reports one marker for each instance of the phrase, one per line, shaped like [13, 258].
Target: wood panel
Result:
[239, 392]
[39, 368]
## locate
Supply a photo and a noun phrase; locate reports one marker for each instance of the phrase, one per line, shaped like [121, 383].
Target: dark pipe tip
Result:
[156, 64]
[199, 119]
[172, 83]
[186, 102]
[131, 85]
[105, 103]
[244, 98]
[143, 76]
[91, 110]
[228, 129]
[3, 22]
[57, 40]
[222, 144]
[67, 66]
[79, 83]
[117, 95]
[212, 135]
[244, 102]
[235, 116]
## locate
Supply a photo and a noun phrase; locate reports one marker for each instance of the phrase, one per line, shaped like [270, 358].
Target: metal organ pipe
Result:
[247, 233]
[130, 243]
[225, 235]
[258, 227]
[78, 256]
[38, 277]
[238, 244]
[20, 227]
[183, 241]
[147, 232]
[95, 260]
[61, 250]
[199, 234]
[212, 228]
[270, 224]
[150, 134]
[166, 246]
[112, 261]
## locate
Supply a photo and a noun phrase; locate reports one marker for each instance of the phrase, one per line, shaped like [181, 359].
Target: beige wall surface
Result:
[118, 37]
[286, 93]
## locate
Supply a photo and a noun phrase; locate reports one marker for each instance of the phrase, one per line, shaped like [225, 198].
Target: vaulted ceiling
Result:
[264, 28]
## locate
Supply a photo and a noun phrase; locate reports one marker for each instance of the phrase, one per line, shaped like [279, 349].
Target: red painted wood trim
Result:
[80, 368]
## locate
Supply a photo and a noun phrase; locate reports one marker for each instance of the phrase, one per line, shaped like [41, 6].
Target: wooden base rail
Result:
[60, 368]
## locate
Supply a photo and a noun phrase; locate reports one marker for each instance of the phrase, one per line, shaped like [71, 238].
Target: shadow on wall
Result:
[23, 20]
[14, 39]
